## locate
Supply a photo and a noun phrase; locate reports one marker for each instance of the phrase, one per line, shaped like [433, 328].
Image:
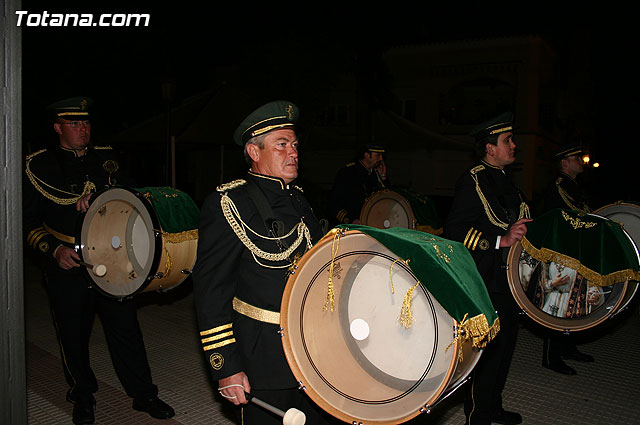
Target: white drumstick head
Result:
[100, 270]
[115, 242]
[359, 329]
[294, 417]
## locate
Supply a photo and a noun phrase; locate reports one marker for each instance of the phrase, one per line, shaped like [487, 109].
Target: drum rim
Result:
[300, 376]
[387, 194]
[539, 316]
[157, 240]
[615, 204]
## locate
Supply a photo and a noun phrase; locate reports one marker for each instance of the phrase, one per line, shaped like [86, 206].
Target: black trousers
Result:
[74, 305]
[483, 399]
[251, 414]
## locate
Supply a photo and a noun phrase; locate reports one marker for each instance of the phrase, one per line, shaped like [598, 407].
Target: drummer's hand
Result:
[83, 203]
[230, 390]
[67, 258]
[516, 232]
[382, 169]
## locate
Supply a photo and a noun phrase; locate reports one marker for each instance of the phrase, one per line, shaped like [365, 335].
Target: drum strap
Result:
[274, 227]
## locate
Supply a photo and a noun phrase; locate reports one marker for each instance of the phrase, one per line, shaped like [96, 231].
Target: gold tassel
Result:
[406, 315]
[330, 292]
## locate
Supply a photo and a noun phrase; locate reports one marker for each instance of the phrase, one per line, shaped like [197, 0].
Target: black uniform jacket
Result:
[353, 184]
[225, 269]
[565, 192]
[485, 204]
[53, 178]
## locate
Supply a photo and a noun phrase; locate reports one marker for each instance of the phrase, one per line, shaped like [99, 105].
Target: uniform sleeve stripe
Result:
[475, 242]
[32, 234]
[217, 337]
[466, 238]
[216, 330]
[219, 344]
[37, 238]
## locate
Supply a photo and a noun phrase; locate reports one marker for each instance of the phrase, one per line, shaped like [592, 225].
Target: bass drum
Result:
[560, 298]
[386, 208]
[358, 362]
[121, 231]
[628, 215]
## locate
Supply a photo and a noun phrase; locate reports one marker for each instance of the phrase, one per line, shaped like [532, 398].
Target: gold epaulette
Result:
[102, 147]
[477, 168]
[224, 187]
[350, 164]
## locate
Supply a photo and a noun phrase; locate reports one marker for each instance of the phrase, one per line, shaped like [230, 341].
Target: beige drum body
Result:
[121, 232]
[574, 306]
[358, 362]
[386, 208]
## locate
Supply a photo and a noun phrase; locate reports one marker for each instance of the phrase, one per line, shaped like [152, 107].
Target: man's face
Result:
[504, 152]
[73, 134]
[372, 159]
[278, 157]
[574, 165]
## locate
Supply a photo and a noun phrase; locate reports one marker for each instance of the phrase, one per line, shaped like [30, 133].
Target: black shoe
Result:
[507, 418]
[560, 367]
[82, 409]
[578, 356]
[154, 407]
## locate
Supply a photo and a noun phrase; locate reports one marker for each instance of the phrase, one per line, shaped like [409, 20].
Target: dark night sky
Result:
[123, 68]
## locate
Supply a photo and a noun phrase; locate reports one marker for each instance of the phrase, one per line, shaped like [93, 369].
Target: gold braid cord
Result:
[568, 199]
[493, 218]
[546, 255]
[331, 295]
[36, 182]
[240, 228]
[406, 314]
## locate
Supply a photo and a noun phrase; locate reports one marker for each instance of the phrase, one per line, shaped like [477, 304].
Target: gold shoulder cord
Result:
[569, 200]
[36, 181]
[239, 228]
[493, 218]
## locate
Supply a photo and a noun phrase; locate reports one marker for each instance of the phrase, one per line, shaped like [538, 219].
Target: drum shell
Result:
[386, 208]
[327, 362]
[121, 231]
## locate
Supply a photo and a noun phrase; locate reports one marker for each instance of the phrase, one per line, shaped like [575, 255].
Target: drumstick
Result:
[99, 270]
[292, 416]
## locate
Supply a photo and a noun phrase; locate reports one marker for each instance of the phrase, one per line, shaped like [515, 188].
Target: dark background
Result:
[189, 44]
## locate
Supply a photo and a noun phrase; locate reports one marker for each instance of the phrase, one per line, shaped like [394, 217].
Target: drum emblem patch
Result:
[216, 361]
[484, 244]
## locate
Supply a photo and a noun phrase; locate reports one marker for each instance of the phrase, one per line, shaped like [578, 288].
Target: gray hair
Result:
[258, 141]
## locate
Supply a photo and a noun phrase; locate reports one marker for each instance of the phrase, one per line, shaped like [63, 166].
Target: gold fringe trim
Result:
[331, 295]
[406, 314]
[476, 330]
[428, 229]
[546, 255]
[187, 235]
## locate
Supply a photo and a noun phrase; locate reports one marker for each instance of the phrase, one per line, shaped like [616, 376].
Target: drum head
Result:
[118, 233]
[358, 362]
[385, 209]
[557, 296]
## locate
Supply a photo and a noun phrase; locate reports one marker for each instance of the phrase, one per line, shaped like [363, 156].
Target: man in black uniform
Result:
[252, 232]
[489, 215]
[565, 192]
[58, 185]
[355, 182]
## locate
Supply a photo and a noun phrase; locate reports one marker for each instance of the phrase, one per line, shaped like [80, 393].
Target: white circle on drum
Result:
[100, 270]
[387, 223]
[115, 242]
[359, 329]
